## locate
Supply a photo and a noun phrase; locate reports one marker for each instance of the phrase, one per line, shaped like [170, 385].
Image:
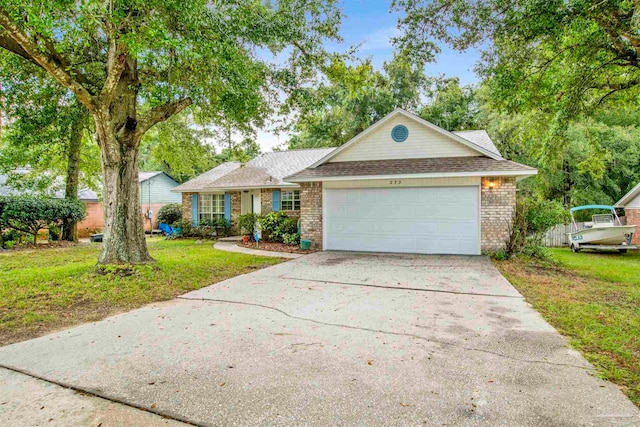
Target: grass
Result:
[46, 289]
[594, 299]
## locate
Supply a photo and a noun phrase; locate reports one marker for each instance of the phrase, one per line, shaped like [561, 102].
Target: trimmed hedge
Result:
[30, 214]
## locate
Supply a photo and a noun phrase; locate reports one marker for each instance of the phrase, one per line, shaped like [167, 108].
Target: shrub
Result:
[531, 219]
[184, 225]
[170, 214]
[247, 223]
[30, 214]
[275, 225]
[291, 239]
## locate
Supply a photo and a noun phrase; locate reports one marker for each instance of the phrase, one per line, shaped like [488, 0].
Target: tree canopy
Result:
[135, 64]
[562, 57]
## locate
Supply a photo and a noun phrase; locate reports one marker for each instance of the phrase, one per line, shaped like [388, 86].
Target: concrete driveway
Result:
[335, 339]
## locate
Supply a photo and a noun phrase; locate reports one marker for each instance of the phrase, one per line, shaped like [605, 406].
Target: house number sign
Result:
[395, 182]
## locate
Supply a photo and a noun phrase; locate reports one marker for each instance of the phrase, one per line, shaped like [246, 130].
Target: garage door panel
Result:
[420, 220]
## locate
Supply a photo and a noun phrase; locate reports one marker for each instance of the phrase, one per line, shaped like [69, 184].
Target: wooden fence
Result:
[557, 236]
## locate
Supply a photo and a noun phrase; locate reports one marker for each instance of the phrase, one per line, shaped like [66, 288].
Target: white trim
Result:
[411, 116]
[628, 197]
[420, 175]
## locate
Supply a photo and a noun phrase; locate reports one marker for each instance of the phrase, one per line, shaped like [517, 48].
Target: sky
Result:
[369, 22]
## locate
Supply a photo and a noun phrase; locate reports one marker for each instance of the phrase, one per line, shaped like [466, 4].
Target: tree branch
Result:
[116, 61]
[10, 44]
[160, 114]
[47, 62]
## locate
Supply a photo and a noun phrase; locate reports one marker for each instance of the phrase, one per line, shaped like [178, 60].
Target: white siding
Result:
[421, 143]
[412, 182]
[634, 203]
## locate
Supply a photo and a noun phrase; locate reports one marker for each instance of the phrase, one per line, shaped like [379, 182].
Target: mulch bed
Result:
[275, 247]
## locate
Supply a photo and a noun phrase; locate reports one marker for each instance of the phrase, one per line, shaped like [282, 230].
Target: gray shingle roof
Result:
[410, 166]
[266, 170]
[84, 194]
[207, 179]
[143, 176]
[480, 138]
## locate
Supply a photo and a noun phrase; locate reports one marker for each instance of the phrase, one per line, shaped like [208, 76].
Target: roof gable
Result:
[425, 140]
[631, 199]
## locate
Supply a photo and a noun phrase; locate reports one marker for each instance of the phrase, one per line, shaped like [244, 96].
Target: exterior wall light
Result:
[491, 183]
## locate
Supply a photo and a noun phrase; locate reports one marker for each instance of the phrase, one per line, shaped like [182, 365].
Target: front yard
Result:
[46, 289]
[594, 299]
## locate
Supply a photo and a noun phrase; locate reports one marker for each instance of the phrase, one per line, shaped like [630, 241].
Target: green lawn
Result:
[45, 289]
[594, 299]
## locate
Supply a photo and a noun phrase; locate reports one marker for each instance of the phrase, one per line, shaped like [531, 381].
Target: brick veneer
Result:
[235, 210]
[186, 206]
[496, 211]
[311, 213]
[266, 201]
[633, 218]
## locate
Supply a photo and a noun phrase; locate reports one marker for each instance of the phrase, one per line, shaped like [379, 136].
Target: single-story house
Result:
[402, 185]
[630, 202]
[155, 192]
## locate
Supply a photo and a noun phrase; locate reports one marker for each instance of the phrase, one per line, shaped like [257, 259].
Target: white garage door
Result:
[429, 220]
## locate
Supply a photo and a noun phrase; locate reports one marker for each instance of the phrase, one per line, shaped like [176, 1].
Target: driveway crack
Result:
[393, 333]
[402, 288]
[101, 395]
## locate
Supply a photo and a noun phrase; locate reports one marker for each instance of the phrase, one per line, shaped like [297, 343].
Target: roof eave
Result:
[518, 174]
[635, 191]
[238, 188]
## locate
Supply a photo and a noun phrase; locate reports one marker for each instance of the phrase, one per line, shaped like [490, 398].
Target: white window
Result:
[210, 207]
[290, 200]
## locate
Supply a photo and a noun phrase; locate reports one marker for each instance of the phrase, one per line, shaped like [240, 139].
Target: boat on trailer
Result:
[604, 231]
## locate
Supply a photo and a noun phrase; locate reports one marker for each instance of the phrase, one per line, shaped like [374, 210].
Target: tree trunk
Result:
[70, 228]
[119, 141]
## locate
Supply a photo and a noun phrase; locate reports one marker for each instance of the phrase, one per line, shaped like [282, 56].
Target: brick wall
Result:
[186, 206]
[633, 218]
[266, 201]
[311, 213]
[496, 211]
[93, 222]
[236, 204]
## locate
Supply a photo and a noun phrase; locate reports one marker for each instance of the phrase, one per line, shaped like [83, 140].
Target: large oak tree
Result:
[118, 55]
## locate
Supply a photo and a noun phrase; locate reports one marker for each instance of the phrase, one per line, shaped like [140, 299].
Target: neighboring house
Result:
[402, 185]
[155, 192]
[631, 204]
[94, 221]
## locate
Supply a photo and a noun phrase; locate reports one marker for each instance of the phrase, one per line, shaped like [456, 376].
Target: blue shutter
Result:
[275, 197]
[227, 206]
[194, 210]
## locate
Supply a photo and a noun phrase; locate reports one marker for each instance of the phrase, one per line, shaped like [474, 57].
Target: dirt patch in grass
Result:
[275, 247]
[44, 291]
[600, 317]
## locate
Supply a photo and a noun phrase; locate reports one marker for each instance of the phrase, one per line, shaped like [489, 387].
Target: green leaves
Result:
[30, 214]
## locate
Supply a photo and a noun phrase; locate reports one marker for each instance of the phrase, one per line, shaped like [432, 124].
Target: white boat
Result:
[604, 229]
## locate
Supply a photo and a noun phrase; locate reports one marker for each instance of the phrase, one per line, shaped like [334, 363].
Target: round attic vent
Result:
[399, 133]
